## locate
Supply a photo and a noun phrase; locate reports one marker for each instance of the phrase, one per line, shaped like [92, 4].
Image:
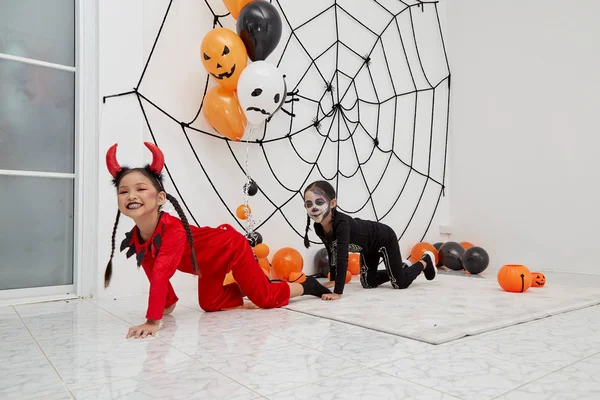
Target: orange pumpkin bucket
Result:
[514, 278]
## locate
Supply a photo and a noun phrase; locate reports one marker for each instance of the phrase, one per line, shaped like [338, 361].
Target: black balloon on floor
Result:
[451, 255]
[438, 245]
[322, 262]
[476, 260]
[251, 188]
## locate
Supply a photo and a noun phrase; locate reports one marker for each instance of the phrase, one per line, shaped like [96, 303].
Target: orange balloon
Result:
[261, 250]
[264, 264]
[297, 277]
[241, 213]
[285, 261]
[224, 56]
[354, 263]
[224, 113]
[228, 279]
[348, 276]
[466, 245]
[235, 6]
[420, 248]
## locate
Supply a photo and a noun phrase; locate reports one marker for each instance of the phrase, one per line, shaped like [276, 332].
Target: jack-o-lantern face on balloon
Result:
[224, 56]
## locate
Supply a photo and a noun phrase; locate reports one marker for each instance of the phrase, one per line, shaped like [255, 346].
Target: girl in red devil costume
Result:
[163, 244]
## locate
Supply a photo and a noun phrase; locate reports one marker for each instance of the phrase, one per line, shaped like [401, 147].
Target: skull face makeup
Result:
[318, 206]
[261, 90]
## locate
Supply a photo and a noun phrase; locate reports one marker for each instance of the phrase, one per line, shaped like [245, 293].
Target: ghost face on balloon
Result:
[261, 91]
[318, 206]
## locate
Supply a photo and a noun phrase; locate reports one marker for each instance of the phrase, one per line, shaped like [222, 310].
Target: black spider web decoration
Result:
[338, 108]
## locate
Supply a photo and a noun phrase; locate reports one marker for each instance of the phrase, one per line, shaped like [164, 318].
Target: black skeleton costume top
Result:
[352, 235]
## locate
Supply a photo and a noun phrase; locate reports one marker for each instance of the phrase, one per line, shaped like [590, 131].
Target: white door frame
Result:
[85, 229]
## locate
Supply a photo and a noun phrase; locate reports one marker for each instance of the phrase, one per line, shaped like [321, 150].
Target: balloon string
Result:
[250, 224]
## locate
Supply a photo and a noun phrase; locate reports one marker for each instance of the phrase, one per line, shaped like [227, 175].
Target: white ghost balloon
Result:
[261, 91]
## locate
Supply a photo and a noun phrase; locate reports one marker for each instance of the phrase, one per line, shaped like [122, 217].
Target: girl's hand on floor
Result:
[331, 296]
[148, 329]
[329, 284]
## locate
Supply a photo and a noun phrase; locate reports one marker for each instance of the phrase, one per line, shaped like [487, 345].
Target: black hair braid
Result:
[306, 241]
[186, 225]
[333, 212]
[108, 271]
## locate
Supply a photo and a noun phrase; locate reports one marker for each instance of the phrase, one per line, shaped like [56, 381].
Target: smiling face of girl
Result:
[138, 196]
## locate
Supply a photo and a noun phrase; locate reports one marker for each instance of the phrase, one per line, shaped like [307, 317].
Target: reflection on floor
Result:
[77, 349]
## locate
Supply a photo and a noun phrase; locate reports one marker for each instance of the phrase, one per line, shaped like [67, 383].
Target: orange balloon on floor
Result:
[285, 261]
[348, 276]
[354, 263]
[264, 264]
[224, 113]
[297, 277]
[261, 250]
[419, 249]
[467, 245]
[228, 279]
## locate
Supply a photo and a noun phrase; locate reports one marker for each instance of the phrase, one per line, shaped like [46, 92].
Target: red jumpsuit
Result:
[218, 251]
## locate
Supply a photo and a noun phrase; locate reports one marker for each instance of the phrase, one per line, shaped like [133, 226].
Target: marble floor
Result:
[77, 350]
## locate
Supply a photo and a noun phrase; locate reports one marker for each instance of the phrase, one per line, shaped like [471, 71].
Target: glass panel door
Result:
[37, 143]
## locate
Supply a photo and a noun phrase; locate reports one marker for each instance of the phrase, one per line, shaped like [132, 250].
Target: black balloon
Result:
[251, 188]
[438, 245]
[476, 260]
[322, 262]
[259, 27]
[451, 254]
[254, 238]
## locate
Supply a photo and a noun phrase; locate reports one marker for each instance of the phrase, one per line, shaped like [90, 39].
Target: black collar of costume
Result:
[137, 247]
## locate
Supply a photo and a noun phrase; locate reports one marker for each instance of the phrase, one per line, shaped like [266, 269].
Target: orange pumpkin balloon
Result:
[261, 250]
[224, 113]
[285, 261]
[241, 213]
[467, 245]
[354, 263]
[538, 279]
[348, 276]
[235, 6]
[514, 278]
[224, 56]
[420, 248]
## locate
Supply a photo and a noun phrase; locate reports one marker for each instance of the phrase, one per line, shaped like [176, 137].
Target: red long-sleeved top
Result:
[161, 256]
[218, 250]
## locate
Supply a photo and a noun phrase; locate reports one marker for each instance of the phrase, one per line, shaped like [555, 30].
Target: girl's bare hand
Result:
[148, 329]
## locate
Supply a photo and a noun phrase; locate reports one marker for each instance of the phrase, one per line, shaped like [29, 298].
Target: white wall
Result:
[524, 130]
[175, 80]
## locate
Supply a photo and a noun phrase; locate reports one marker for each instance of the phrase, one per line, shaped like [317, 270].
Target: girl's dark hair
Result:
[329, 191]
[156, 180]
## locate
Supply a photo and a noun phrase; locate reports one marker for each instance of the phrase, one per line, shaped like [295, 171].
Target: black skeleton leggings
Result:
[396, 271]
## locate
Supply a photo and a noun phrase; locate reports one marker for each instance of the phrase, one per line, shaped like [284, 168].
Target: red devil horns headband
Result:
[158, 159]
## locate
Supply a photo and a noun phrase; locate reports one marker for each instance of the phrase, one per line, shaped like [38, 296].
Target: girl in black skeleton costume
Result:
[342, 234]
